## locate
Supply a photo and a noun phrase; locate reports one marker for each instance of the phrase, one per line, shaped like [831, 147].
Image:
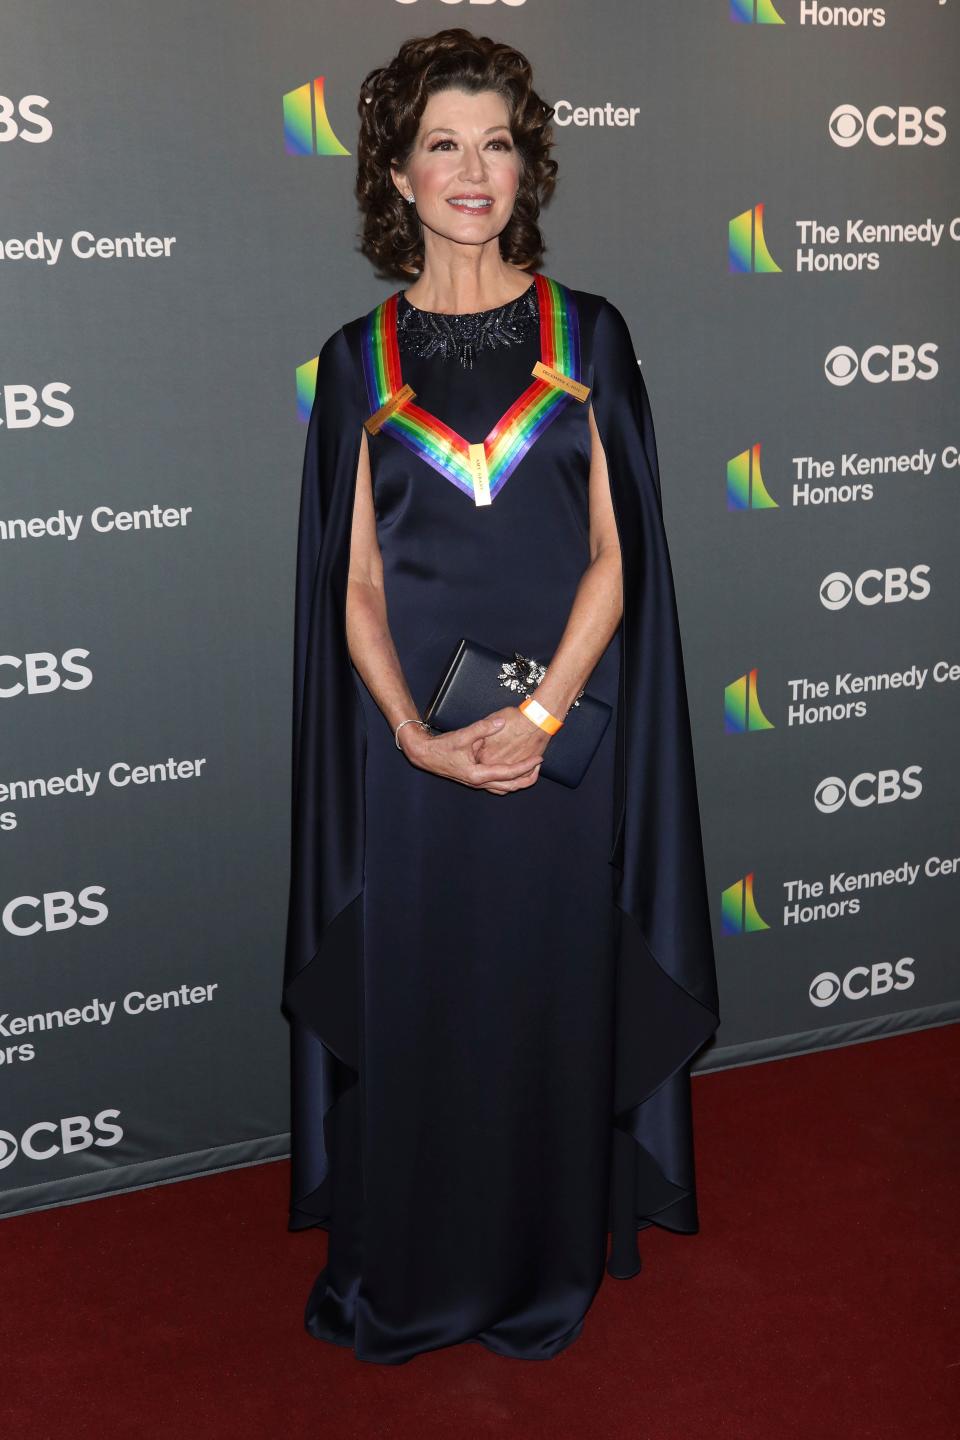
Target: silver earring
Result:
[409, 199]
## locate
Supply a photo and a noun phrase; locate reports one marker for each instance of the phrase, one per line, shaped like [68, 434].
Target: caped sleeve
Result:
[324, 923]
[667, 1005]
[331, 454]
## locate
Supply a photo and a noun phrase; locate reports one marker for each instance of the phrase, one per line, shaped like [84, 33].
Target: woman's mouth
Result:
[463, 203]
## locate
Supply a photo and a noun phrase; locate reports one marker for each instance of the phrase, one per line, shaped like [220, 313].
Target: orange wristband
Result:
[540, 716]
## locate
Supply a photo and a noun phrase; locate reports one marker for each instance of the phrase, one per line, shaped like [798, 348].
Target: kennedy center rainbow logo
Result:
[748, 246]
[306, 129]
[741, 708]
[739, 914]
[755, 12]
[745, 487]
[306, 387]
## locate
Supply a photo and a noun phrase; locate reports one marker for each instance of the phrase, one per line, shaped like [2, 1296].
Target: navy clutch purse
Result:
[478, 680]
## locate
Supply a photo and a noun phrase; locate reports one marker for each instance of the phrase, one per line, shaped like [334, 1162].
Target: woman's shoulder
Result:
[602, 325]
[583, 297]
[595, 309]
[347, 331]
[339, 342]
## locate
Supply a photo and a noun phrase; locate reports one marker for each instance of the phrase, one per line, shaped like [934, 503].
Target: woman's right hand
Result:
[453, 754]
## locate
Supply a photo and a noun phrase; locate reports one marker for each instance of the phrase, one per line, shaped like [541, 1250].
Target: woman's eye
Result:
[437, 143]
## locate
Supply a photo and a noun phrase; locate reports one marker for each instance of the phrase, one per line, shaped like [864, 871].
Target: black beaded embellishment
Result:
[424, 333]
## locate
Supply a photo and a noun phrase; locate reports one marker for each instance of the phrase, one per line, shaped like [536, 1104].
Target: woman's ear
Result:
[400, 181]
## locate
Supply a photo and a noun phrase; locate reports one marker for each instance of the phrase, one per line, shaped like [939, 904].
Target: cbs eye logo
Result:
[875, 587]
[884, 125]
[870, 787]
[862, 981]
[881, 363]
[49, 1138]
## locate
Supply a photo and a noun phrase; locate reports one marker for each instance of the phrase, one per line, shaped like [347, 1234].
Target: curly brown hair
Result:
[392, 100]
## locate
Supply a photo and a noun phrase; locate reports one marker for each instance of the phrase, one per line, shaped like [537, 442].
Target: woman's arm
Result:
[598, 603]
[374, 654]
[593, 619]
[368, 633]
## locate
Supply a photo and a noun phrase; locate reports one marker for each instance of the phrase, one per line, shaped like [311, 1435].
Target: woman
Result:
[495, 981]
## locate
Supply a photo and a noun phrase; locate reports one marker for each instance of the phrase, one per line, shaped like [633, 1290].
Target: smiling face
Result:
[463, 153]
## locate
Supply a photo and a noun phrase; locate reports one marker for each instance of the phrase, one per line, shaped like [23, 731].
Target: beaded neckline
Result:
[424, 333]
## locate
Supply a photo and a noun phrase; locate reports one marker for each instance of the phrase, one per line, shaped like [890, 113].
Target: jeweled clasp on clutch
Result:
[523, 674]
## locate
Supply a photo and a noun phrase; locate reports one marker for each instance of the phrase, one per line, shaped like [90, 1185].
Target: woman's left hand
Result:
[519, 739]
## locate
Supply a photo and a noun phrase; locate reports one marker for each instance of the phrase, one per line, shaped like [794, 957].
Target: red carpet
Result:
[819, 1299]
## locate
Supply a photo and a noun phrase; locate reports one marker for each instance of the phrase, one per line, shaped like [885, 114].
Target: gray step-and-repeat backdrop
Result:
[768, 190]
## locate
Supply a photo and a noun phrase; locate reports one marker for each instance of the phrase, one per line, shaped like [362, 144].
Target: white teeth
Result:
[472, 204]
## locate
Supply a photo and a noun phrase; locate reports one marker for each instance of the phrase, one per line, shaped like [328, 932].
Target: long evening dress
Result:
[493, 998]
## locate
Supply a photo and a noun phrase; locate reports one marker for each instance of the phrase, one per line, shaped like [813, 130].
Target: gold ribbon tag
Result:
[373, 422]
[563, 382]
[481, 477]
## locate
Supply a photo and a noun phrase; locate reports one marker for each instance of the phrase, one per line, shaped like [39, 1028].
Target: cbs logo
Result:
[44, 673]
[868, 789]
[20, 407]
[882, 362]
[861, 981]
[32, 127]
[47, 1138]
[885, 125]
[875, 587]
[59, 909]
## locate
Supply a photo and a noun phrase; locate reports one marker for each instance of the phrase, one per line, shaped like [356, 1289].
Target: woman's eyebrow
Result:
[448, 131]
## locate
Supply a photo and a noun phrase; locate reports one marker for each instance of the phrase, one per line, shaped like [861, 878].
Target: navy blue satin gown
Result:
[462, 1023]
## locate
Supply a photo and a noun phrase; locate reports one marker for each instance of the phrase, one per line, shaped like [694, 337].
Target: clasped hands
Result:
[500, 752]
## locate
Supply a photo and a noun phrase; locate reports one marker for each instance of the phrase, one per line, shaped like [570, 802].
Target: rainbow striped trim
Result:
[479, 469]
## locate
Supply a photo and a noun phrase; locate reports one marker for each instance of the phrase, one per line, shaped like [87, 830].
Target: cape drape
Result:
[666, 990]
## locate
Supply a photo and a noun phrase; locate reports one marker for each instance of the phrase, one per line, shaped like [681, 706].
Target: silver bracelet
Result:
[396, 734]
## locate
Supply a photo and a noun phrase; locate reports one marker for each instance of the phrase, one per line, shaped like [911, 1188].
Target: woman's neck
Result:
[458, 290]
